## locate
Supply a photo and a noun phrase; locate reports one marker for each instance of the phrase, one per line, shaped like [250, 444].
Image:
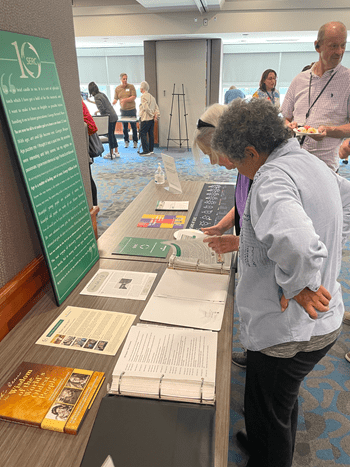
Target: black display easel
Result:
[178, 140]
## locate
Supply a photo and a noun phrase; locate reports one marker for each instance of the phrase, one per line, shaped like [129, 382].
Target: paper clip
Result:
[120, 380]
[202, 384]
[160, 387]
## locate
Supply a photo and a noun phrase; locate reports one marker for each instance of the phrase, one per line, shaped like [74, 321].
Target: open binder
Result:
[166, 363]
[195, 255]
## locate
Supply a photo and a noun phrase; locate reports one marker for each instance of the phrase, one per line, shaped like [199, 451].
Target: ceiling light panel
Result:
[179, 5]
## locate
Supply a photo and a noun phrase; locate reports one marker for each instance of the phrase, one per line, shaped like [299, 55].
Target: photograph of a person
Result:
[79, 342]
[68, 340]
[58, 339]
[78, 380]
[101, 345]
[90, 344]
[60, 412]
[69, 396]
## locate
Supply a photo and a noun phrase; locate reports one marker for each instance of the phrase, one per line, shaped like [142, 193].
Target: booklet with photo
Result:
[49, 397]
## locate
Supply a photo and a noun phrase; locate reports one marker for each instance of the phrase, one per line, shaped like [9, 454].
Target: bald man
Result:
[320, 97]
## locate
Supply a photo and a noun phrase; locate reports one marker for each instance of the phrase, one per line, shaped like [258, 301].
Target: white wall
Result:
[180, 62]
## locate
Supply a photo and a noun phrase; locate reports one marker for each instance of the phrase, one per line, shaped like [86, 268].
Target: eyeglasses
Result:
[201, 124]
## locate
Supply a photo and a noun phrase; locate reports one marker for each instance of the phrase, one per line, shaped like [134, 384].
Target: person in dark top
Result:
[106, 108]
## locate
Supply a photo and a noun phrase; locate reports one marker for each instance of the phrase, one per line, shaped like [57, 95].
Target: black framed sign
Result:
[214, 202]
[35, 113]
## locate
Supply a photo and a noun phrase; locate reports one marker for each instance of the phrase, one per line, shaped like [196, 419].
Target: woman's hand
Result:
[310, 301]
[214, 230]
[223, 244]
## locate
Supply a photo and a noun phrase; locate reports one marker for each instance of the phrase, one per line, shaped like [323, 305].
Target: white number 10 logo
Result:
[28, 59]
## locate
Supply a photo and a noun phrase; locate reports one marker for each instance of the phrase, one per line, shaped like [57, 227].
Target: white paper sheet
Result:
[120, 284]
[88, 330]
[187, 298]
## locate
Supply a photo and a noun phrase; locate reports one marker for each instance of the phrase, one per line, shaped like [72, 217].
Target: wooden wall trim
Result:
[20, 294]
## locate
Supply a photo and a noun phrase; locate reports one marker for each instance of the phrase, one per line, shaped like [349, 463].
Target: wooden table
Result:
[28, 446]
[145, 203]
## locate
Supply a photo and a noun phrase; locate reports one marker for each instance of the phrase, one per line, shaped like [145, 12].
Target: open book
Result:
[167, 363]
[192, 254]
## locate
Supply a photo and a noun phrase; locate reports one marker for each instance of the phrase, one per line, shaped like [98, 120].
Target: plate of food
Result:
[186, 234]
[306, 130]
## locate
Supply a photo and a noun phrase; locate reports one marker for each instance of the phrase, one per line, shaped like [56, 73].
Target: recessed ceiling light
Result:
[282, 40]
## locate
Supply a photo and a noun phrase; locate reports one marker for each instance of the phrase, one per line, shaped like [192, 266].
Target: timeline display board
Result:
[214, 202]
[36, 116]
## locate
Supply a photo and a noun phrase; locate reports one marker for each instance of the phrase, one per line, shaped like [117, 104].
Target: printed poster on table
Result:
[88, 330]
[33, 109]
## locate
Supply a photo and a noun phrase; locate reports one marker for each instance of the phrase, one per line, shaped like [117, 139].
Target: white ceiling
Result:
[231, 38]
[89, 7]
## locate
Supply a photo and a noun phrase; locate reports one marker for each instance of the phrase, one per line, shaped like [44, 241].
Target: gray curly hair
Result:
[253, 123]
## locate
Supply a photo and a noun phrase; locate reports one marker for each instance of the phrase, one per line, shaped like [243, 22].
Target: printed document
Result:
[120, 284]
[167, 363]
[188, 298]
[88, 330]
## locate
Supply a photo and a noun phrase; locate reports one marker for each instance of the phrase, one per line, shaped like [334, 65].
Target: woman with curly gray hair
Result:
[216, 239]
[294, 226]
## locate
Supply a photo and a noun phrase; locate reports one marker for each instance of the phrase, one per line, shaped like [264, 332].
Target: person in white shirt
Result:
[320, 97]
[148, 113]
[288, 299]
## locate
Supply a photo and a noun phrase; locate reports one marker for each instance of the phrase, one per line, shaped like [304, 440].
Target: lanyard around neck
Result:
[272, 97]
[314, 102]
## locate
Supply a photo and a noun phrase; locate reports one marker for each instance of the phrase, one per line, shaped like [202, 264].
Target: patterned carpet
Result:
[323, 438]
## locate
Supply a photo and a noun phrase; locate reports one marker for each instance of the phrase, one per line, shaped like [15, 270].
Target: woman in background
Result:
[92, 130]
[267, 88]
[105, 108]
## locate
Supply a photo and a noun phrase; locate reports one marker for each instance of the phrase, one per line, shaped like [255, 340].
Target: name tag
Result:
[127, 90]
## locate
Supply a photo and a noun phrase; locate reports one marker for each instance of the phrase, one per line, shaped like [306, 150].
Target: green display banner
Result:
[35, 113]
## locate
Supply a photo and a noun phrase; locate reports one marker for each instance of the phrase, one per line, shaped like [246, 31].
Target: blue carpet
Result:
[323, 437]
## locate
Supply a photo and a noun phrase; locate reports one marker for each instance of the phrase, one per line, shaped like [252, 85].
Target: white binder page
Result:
[187, 298]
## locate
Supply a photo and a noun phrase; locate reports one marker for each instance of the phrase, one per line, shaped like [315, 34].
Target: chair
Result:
[102, 122]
